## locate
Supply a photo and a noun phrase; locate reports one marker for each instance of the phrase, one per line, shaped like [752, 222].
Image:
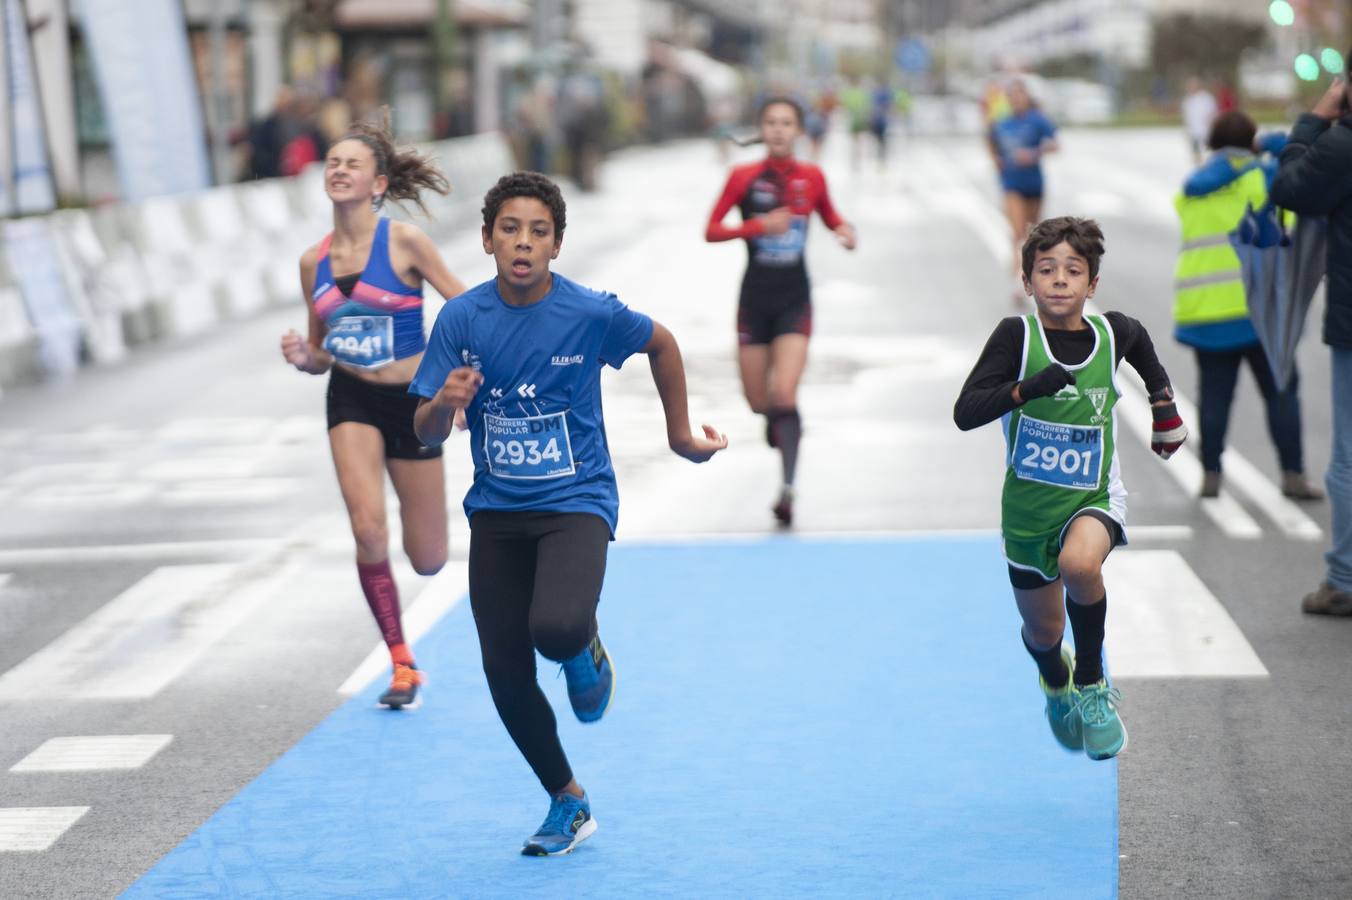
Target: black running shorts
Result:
[388, 408]
[1026, 580]
[766, 311]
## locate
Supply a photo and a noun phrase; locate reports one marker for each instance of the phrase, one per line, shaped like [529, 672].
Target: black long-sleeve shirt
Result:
[988, 392]
[1315, 178]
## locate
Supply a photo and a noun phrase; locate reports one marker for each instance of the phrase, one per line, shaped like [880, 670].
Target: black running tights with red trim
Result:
[534, 583]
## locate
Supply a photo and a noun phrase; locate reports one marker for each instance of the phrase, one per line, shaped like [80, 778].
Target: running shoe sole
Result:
[587, 830]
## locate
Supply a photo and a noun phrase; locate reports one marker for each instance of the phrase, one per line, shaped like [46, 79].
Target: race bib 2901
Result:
[1068, 456]
[366, 342]
[532, 447]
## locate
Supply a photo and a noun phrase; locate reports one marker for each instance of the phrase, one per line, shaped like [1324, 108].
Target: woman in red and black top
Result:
[774, 316]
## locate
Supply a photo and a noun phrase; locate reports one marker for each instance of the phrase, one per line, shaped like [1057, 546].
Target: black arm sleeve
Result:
[1135, 346]
[1315, 174]
[988, 392]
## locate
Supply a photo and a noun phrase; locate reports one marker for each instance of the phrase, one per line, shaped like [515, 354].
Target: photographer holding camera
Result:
[1315, 178]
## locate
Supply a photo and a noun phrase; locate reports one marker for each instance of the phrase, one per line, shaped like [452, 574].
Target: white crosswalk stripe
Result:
[144, 638]
[1165, 623]
[93, 753]
[35, 828]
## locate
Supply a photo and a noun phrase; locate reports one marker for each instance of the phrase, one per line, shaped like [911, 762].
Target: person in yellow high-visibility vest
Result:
[1211, 313]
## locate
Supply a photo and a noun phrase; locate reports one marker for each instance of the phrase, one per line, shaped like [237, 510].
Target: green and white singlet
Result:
[1062, 453]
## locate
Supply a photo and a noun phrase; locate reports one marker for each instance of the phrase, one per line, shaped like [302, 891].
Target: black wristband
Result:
[1164, 393]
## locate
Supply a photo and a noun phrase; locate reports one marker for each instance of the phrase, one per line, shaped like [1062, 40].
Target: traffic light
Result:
[1282, 12]
[1307, 67]
[1331, 60]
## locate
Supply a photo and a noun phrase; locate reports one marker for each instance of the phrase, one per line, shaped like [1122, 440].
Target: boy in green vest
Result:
[1052, 380]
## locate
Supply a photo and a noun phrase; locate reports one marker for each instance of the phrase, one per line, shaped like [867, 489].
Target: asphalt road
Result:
[178, 563]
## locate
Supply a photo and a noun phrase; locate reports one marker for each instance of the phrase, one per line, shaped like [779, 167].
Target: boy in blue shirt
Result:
[521, 354]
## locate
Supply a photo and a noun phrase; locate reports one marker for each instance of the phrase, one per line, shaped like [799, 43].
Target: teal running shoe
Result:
[591, 681]
[1104, 734]
[1061, 713]
[568, 824]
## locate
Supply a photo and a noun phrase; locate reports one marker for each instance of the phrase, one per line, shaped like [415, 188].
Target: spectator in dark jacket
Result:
[1315, 178]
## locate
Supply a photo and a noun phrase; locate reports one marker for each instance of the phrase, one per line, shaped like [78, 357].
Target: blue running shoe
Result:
[1104, 734]
[591, 681]
[568, 824]
[1062, 715]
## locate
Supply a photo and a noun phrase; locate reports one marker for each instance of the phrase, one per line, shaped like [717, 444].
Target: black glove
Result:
[1045, 383]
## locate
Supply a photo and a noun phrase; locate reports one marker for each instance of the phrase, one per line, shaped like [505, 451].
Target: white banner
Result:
[149, 92]
[33, 191]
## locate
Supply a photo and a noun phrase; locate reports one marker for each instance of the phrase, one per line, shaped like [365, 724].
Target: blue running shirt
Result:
[1021, 132]
[536, 430]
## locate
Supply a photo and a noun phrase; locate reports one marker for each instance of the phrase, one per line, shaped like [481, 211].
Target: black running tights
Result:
[534, 583]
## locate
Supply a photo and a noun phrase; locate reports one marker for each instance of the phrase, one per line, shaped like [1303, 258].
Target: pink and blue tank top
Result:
[380, 319]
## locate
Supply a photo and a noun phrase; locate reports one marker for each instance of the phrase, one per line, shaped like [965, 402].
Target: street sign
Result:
[913, 55]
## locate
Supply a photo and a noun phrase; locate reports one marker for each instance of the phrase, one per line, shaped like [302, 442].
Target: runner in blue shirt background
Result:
[522, 355]
[1017, 144]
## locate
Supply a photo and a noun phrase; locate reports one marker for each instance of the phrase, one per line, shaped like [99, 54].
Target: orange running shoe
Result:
[403, 686]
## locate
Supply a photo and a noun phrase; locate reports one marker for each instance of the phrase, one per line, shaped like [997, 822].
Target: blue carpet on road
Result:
[794, 717]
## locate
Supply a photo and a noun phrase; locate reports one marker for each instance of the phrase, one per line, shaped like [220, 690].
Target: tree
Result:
[1186, 44]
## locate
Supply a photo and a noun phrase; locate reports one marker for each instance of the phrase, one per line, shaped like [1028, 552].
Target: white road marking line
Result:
[105, 435]
[65, 473]
[1246, 479]
[1165, 623]
[85, 496]
[949, 192]
[4, 579]
[436, 599]
[35, 828]
[298, 429]
[1184, 466]
[969, 207]
[843, 291]
[93, 753]
[1171, 533]
[147, 636]
[14, 437]
[98, 439]
[229, 491]
[185, 468]
[1151, 200]
[215, 431]
[154, 551]
[1100, 203]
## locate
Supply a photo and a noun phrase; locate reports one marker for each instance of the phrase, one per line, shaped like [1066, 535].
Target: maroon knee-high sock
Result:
[382, 595]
